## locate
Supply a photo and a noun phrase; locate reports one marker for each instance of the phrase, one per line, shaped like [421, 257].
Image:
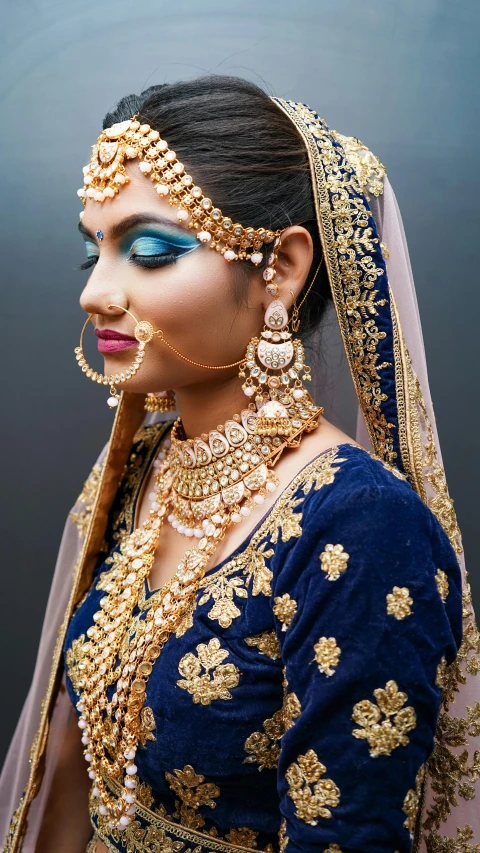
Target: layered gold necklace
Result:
[202, 486]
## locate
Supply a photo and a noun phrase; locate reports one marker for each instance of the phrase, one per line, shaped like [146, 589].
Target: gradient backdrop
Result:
[401, 75]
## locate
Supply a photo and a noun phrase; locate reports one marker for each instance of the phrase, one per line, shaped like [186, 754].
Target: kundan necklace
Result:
[202, 486]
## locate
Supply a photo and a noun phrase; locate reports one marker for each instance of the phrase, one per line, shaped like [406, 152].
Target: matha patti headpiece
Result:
[130, 140]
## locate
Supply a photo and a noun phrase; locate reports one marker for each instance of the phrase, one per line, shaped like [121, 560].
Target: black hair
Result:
[245, 153]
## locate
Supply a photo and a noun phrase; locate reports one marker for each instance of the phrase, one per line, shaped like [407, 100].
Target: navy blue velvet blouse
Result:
[295, 707]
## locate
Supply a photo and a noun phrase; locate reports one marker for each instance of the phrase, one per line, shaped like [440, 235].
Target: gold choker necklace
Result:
[203, 486]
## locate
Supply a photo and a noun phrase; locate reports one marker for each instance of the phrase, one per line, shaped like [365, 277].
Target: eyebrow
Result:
[120, 228]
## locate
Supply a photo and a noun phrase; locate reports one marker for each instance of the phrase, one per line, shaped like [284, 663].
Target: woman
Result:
[262, 645]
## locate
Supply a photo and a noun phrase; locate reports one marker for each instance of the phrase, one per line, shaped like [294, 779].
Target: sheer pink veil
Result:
[448, 798]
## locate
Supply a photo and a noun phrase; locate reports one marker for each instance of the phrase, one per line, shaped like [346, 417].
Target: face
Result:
[143, 259]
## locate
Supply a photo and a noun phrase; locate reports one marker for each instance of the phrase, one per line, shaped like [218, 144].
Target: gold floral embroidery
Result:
[259, 571]
[243, 837]
[291, 710]
[74, 661]
[192, 792]
[467, 661]
[263, 747]
[384, 736]
[441, 579]
[185, 623]
[440, 678]
[327, 655]
[399, 602]
[334, 848]
[452, 774]
[282, 837]
[311, 802]
[223, 592]
[412, 800]
[460, 844]
[87, 497]
[266, 643]
[316, 476]
[368, 168]
[288, 523]
[148, 725]
[334, 561]
[215, 682]
[284, 609]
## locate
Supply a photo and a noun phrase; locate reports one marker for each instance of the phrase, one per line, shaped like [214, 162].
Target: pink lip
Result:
[111, 341]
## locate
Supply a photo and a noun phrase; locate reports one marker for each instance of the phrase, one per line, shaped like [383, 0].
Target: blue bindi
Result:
[99, 235]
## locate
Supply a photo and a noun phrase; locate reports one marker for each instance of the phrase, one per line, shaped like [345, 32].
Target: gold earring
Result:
[160, 401]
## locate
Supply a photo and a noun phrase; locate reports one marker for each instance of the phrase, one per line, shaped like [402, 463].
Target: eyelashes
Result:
[146, 261]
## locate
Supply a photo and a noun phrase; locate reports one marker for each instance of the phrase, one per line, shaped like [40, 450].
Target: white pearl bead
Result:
[151, 496]
[95, 792]
[81, 193]
[161, 456]
[103, 809]
[162, 189]
[204, 236]
[249, 391]
[90, 193]
[131, 769]
[180, 528]
[229, 255]
[91, 773]
[82, 724]
[270, 487]
[130, 754]
[246, 511]
[256, 258]
[217, 518]
[154, 505]
[85, 740]
[129, 798]
[198, 533]
[132, 809]
[99, 196]
[124, 820]
[188, 531]
[112, 402]
[88, 757]
[171, 518]
[258, 499]
[298, 394]
[182, 215]
[145, 167]
[236, 517]
[108, 192]
[130, 152]
[120, 178]
[167, 443]
[130, 783]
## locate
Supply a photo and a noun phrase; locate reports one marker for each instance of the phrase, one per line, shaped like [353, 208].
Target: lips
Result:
[110, 340]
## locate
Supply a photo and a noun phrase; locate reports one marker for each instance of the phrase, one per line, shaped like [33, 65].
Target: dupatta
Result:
[375, 303]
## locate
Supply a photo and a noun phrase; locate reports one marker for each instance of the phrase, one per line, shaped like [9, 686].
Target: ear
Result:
[294, 259]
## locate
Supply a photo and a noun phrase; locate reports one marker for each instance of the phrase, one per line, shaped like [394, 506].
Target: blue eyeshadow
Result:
[150, 242]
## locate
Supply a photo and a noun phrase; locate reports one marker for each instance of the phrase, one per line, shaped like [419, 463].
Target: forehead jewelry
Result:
[144, 333]
[129, 140]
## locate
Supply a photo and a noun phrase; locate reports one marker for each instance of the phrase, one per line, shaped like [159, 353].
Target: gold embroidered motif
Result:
[311, 802]
[452, 774]
[384, 736]
[223, 592]
[327, 655]
[468, 656]
[143, 795]
[215, 682]
[267, 644]
[288, 523]
[243, 837]
[441, 579]
[87, 497]
[284, 609]
[317, 476]
[148, 725]
[412, 801]
[368, 168]
[440, 677]
[263, 747]
[185, 623]
[282, 836]
[334, 848]
[259, 571]
[334, 561]
[192, 792]
[399, 603]
[460, 844]
[291, 710]
[349, 244]
[74, 660]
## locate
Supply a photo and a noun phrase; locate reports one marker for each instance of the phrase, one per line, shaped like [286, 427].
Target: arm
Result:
[66, 825]
[369, 630]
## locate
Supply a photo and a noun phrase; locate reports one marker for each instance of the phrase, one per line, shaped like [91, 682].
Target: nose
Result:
[101, 291]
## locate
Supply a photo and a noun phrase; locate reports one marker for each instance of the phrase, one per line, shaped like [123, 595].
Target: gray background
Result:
[401, 75]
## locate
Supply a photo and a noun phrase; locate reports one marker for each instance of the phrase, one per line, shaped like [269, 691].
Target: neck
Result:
[206, 405]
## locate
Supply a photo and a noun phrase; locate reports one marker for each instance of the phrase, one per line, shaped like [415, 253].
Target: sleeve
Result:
[367, 606]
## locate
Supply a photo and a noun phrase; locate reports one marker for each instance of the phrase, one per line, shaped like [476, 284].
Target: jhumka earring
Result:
[277, 369]
[160, 401]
